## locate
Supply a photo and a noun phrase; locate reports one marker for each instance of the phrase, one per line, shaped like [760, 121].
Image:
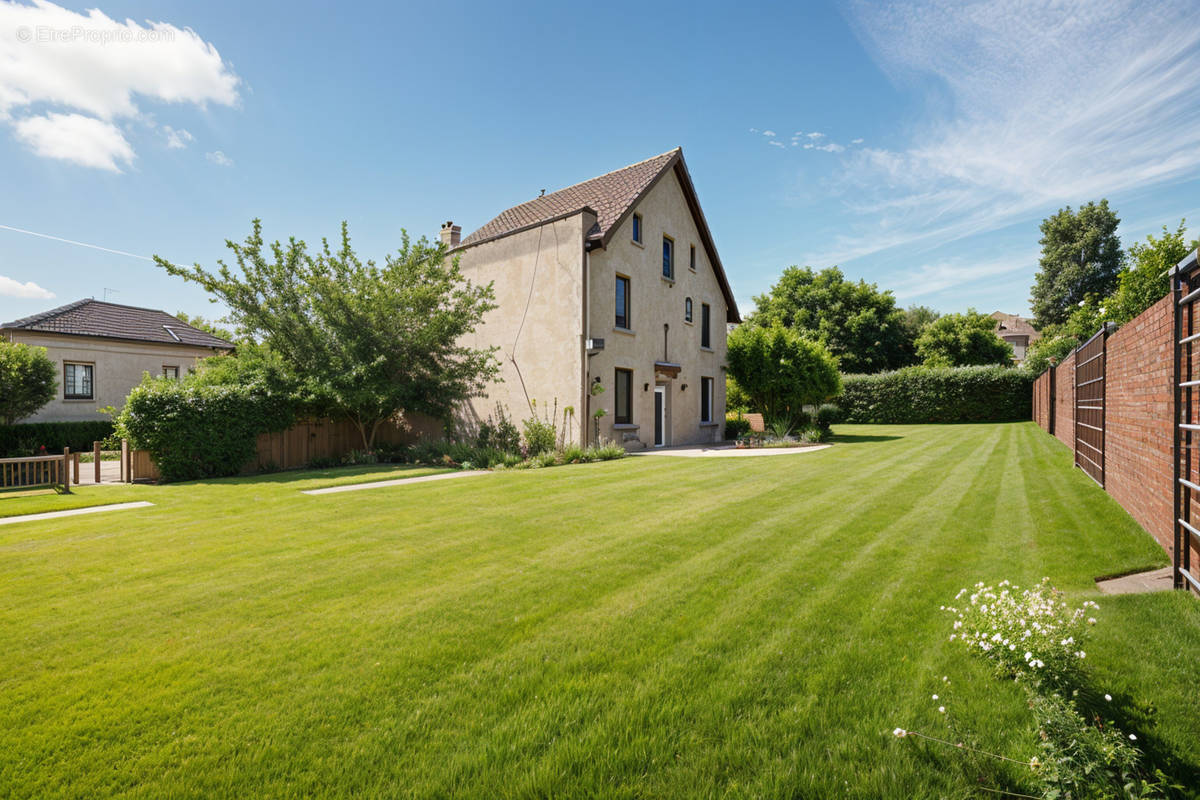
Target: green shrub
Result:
[572, 454]
[199, 431]
[499, 433]
[605, 452]
[943, 394]
[736, 425]
[360, 457]
[827, 416]
[539, 436]
[24, 440]
[323, 462]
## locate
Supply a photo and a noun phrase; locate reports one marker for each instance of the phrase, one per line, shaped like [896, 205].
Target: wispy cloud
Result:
[66, 78]
[219, 158]
[933, 277]
[1031, 106]
[177, 138]
[28, 290]
[768, 133]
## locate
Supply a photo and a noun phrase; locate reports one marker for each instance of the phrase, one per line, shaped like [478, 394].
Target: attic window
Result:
[174, 335]
[637, 228]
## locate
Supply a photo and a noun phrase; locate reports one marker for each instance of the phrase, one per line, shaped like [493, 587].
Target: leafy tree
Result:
[28, 380]
[1144, 280]
[780, 371]
[963, 340]
[1081, 256]
[364, 341]
[735, 398]
[916, 318]
[206, 325]
[857, 323]
[1048, 350]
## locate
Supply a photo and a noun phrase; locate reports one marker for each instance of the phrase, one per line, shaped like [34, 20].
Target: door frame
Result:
[660, 415]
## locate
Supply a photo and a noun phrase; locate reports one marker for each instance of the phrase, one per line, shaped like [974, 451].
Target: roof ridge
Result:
[613, 171]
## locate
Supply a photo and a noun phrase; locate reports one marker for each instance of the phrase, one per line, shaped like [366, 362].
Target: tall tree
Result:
[28, 380]
[857, 323]
[1081, 256]
[207, 325]
[365, 341]
[963, 340]
[780, 371]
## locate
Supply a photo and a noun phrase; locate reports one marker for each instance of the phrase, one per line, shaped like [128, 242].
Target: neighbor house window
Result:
[668, 257]
[705, 320]
[624, 386]
[687, 310]
[706, 386]
[78, 381]
[171, 372]
[622, 296]
[637, 228]
[692, 258]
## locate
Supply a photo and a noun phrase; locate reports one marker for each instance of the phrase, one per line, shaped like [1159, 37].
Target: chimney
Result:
[451, 234]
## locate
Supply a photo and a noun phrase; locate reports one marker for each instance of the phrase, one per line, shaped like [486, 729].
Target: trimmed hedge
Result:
[945, 394]
[24, 440]
[199, 431]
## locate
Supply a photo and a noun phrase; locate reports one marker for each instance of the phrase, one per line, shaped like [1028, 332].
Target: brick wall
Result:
[1064, 401]
[1041, 399]
[1139, 416]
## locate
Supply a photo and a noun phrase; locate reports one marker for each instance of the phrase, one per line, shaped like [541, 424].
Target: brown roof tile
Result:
[94, 318]
[609, 195]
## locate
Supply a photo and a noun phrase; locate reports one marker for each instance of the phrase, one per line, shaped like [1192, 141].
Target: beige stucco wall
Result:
[538, 279]
[119, 365]
[655, 301]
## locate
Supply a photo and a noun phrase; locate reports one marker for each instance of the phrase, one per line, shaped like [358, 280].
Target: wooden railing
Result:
[34, 471]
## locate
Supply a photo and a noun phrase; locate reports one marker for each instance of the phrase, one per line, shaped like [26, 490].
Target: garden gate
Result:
[1185, 284]
[1089, 405]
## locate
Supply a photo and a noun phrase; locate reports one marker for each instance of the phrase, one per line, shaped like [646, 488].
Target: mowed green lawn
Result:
[653, 627]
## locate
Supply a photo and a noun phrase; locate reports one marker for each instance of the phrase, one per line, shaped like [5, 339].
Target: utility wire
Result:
[77, 244]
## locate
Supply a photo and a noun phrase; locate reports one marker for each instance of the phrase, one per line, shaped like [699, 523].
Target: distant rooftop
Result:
[90, 317]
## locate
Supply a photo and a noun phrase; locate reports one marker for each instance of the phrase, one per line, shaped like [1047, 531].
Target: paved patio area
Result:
[1159, 580]
[727, 451]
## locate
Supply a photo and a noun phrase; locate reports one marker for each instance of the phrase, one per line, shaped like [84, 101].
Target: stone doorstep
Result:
[1157, 580]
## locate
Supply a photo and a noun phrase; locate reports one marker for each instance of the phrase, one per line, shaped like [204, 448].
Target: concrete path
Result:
[73, 512]
[726, 451]
[1159, 580]
[354, 487]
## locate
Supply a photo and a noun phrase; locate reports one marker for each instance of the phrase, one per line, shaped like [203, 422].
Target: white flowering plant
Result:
[1033, 634]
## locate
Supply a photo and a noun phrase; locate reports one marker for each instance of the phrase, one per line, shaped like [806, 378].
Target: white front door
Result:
[660, 416]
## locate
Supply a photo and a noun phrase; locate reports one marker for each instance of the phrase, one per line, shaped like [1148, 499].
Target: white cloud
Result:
[82, 140]
[940, 275]
[816, 135]
[1030, 106]
[768, 133]
[177, 138]
[98, 68]
[856, 141]
[776, 143]
[28, 290]
[754, 130]
[219, 158]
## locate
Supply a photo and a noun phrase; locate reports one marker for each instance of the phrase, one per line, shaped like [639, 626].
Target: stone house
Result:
[102, 350]
[1017, 331]
[611, 296]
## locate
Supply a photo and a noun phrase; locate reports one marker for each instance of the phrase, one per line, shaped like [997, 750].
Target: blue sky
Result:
[917, 145]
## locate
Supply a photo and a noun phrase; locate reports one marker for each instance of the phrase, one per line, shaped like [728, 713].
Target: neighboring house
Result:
[614, 282]
[1017, 331]
[102, 350]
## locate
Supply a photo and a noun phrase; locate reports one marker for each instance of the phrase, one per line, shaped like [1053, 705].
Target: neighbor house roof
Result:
[112, 321]
[611, 197]
[1014, 325]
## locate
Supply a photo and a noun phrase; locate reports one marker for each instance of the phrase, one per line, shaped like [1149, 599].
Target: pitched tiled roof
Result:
[609, 196]
[94, 318]
[1014, 325]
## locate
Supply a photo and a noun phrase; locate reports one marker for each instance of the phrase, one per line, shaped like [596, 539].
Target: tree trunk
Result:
[368, 435]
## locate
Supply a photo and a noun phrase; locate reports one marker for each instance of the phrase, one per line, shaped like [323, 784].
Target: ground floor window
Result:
[706, 399]
[624, 400]
[171, 372]
[78, 381]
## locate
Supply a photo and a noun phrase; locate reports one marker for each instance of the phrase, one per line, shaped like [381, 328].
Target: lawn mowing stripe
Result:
[73, 512]
[358, 487]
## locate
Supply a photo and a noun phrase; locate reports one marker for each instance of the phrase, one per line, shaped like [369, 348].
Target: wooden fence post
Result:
[125, 476]
[96, 459]
[66, 470]
[75, 466]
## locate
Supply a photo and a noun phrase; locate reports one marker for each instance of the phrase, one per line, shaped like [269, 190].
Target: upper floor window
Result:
[687, 310]
[622, 298]
[78, 381]
[668, 257]
[692, 258]
[705, 323]
[637, 228]
[171, 372]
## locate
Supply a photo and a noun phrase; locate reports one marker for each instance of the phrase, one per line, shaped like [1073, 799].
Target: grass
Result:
[643, 628]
